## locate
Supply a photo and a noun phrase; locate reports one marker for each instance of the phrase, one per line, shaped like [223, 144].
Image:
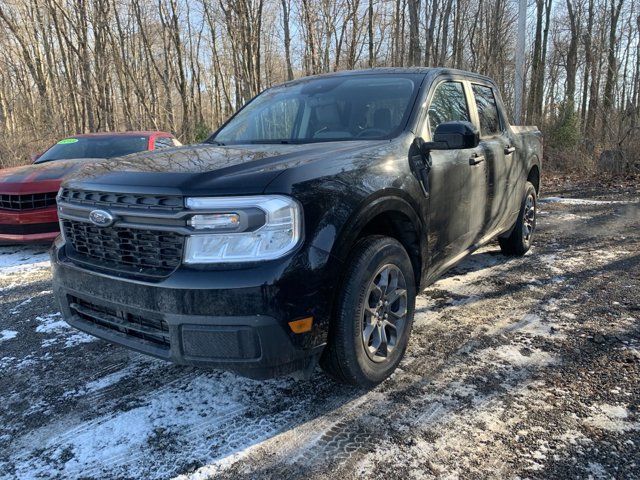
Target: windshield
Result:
[103, 146]
[325, 109]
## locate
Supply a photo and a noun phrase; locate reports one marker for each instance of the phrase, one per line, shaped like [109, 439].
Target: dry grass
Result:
[575, 161]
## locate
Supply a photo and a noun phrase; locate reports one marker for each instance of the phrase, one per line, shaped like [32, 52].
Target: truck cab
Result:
[303, 229]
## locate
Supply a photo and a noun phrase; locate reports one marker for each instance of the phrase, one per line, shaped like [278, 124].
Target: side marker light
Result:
[301, 325]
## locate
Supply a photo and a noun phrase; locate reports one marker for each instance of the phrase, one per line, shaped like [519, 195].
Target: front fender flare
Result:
[342, 242]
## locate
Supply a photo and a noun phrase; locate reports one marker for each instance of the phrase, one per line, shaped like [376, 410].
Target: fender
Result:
[374, 205]
[534, 161]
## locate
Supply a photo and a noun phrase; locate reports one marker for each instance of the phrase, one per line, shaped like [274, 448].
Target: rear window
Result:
[94, 147]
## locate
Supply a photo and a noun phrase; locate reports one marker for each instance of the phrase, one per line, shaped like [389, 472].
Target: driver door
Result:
[457, 180]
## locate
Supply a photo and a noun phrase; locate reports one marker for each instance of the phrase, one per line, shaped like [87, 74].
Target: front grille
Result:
[149, 252]
[165, 203]
[31, 201]
[150, 330]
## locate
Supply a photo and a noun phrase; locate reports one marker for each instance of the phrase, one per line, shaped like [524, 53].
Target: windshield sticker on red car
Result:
[67, 141]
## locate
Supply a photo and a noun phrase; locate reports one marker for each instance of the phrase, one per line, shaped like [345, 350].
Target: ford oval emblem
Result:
[101, 218]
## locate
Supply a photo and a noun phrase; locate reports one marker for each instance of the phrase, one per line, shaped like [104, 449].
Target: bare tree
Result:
[71, 66]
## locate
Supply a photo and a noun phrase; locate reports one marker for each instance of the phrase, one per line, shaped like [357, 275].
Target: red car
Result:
[28, 193]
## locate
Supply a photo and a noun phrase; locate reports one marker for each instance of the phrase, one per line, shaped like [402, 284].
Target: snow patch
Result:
[200, 409]
[534, 325]
[613, 418]
[7, 335]
[54, 324]
[22, 259]
[9, 287]
[596, 470]
[573, 437]
[51, 323]
[108, 380]
[513, 355]
[570, 217]
[583, 201]
[577, 260]
[78, 339]
[24, 362]
[17, 308]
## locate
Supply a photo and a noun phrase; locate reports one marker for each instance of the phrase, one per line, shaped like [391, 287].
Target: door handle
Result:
[508, 150]
[476, 159]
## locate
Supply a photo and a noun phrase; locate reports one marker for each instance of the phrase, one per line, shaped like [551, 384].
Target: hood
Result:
[207, 169]
[39, 177]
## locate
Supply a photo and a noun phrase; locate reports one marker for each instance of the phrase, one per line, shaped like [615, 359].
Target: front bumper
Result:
[233, 319]
[39, 225]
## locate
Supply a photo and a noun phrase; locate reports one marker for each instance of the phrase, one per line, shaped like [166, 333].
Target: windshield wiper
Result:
[215, 142]
[273, 142]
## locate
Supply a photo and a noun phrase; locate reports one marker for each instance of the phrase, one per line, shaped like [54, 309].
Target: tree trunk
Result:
[572, 59]
[370, 25]
[612, 69]
[286, 9]
[414, 26]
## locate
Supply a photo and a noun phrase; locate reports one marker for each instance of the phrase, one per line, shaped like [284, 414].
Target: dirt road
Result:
[525, 367]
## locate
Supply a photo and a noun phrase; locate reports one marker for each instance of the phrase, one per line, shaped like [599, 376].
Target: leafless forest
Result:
[70, 66]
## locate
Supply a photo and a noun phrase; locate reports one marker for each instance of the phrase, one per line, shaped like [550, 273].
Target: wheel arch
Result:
[533, 172]
[534, 176]
[390, 215]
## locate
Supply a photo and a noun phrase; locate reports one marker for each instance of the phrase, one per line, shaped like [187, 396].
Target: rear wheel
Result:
[374, 314]
[519, 241]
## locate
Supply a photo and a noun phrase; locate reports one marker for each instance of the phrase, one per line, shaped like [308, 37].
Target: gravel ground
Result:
[517, 368]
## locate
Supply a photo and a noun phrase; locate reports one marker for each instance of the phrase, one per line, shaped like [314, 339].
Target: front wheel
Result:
[519, 241]
[374, 314]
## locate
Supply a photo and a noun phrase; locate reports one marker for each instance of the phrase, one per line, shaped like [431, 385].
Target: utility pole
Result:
[520, 46]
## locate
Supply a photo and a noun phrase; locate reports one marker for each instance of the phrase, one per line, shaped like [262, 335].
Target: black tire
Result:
[359, 312]
[519, 241]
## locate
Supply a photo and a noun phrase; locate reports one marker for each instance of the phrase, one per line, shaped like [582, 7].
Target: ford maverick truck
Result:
[303, 229]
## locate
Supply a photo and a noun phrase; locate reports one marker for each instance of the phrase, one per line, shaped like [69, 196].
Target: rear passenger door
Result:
[496, 150]
[457, 179]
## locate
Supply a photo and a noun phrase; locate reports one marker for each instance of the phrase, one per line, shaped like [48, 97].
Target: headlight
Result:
[239, 229]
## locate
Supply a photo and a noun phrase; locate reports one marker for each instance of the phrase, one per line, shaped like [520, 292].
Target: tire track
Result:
[328, 446]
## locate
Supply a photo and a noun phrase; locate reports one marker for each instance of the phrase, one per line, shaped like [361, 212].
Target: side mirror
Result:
[453, 136]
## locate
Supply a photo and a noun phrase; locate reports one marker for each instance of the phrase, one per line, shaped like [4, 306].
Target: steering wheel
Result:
[372, 132]
[319, 131]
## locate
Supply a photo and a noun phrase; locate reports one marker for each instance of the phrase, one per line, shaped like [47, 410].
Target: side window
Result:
[487, 110]
[163, 142]
[447, 105]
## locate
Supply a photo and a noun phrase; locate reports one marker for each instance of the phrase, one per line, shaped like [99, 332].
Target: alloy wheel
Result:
[529, 219]
[385, 312]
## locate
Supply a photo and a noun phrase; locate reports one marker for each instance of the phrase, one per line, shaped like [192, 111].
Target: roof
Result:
[392, 70]
[132, 133]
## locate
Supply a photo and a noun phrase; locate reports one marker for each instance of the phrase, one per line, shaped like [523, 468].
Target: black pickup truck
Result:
[302, 230]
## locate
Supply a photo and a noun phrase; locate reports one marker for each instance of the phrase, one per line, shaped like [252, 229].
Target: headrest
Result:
[382, 119]
[328, 114]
